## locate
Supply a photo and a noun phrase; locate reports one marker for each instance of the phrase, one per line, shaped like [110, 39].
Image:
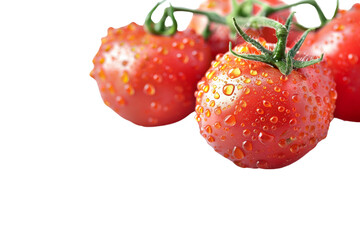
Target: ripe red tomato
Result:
[147, 79]
[259, 118]
[220, 37]
[339, 40]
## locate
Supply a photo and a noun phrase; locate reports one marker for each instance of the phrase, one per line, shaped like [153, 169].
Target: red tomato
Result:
[147, 79]
[339, 40]
[258, 118]
[219, 40]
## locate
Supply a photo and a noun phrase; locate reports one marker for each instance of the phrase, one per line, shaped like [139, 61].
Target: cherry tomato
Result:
[148, 79]
[339, 40]
[252, 114]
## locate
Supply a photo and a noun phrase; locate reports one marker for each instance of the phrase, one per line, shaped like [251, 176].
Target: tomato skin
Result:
[339, 41]
[253, 115]
[220, 37]
[150, 80]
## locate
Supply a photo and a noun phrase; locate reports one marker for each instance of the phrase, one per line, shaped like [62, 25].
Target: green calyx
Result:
[279, 58]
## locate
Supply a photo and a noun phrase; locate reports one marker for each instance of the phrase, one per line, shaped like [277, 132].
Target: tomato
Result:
[220, 37]
[252, 114]
[149, 79]
[339, 40]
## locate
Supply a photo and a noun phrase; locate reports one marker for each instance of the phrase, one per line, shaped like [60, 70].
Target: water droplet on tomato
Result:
[265, 137]
[294, 148]
[129, 89]
[208, 129]
[266, 103]
[234, 73]
[120, 100]
[282, 143]
[228, 89]
[274, 119]
[149, 89]
[230, 120]
[246, 133]
[262, 164]
[247, 145]
[238, 154]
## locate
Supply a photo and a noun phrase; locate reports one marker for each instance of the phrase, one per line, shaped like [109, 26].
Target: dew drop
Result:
[238, 154]
[228, 89]
[294, 148]
[247, 145]
[295, 98]
[149, 89]
[282, 143]
[246, 133]
[120, 100]
[274, 119]
[234, 73]
[265, 137]
[253, 72]
[266, 104]
[259, 111]
[208, 129]
[129, 89]
[230, 120]
[262, 164]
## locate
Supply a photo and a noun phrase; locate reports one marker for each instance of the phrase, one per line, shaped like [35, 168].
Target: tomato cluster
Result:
[260, 104]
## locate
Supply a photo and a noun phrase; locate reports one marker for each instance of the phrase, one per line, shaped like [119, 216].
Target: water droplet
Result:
[207, 113]
[282, 143]
[247, 145]
[313, 117]
[259, 111]
[247, 90]
[125, 77]
[274, 119]
[293, 122]
[120, 100]
[238, 154]
[155, 106]
[206, 88]
[265, 137]
[211, 139]
[209, 75]
[353, 59]
[277, 89]
[208, 129]
[212, 103]
[218, 111]
[217, 125]
[246, 133]
[234, 73]
[247, 80]
[262, 164]
[338, 27]
[230, 120]
[294, 148]
[253, 72]
[295, 98]
[129, 89]
[333, 94]
[216, 95]
[281, 109]
[228, 89]
[267, 103]
[149, 89]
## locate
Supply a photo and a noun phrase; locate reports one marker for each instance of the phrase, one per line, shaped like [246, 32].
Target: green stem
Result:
[279, 58]
[212, 16]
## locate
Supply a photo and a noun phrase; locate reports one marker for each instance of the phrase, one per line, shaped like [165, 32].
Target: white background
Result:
[70, 168]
